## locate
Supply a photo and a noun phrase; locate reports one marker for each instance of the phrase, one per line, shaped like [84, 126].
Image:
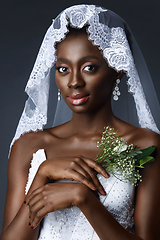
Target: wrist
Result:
[38, 181]
[82, 196]
[42, 171]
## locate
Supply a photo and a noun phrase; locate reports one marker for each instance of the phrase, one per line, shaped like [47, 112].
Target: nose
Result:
[76, 80]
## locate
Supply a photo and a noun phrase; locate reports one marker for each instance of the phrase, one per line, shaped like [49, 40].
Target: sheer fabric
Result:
[112, 35]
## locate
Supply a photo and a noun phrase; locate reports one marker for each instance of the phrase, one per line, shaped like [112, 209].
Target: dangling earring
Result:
[59, 95]
[116, 92]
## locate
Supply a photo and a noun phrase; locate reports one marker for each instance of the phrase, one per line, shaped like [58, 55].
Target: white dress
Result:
[71, 224]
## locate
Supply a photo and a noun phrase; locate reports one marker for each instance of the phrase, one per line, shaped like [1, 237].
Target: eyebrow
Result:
[86, 58]
[89, 58]
[62, 60]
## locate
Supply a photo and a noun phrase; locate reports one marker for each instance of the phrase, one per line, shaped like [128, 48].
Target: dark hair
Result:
[76, 31]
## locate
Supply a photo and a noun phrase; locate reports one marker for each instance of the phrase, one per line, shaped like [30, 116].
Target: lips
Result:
[78, 99]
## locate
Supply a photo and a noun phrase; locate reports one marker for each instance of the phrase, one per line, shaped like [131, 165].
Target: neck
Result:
[93, 122]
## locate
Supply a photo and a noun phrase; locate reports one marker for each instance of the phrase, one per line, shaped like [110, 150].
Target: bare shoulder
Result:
[140, 137]
[145, 138]
[23, 148]
[31, 142]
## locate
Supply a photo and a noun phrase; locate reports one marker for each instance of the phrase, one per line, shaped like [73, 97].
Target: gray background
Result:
[23, 25]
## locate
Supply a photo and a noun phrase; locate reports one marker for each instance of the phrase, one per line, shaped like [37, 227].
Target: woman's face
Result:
[82, 74]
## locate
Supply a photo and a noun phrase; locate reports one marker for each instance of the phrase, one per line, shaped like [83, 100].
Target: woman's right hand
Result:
[55, 196]
[81, 169]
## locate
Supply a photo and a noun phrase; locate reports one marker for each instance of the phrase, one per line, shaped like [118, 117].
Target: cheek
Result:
[102, 83]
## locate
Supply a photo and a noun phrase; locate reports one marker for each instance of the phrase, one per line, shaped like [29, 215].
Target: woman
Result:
[70, 196]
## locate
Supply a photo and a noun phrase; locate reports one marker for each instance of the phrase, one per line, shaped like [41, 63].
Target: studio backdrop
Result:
[23, 25]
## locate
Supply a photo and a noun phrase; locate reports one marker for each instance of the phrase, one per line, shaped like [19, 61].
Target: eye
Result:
[62, 69]
[90, 68]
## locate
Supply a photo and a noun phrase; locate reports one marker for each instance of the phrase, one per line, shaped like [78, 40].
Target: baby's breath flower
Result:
[121, 159]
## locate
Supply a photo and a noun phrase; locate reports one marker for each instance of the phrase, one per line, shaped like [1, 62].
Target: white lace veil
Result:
[112, 35]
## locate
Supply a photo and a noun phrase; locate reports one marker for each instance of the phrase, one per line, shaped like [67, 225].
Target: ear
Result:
[119, 74]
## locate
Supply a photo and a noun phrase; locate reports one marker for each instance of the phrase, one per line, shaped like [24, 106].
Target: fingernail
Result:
[94, 187]
[107, 175]
[24, 202]
[29, 224]
[103, 192]
[32, 227]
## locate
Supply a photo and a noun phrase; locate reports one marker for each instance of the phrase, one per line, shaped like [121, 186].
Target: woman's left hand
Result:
[52, 197]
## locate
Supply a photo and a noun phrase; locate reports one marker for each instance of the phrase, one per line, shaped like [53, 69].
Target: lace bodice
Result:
[71, 224]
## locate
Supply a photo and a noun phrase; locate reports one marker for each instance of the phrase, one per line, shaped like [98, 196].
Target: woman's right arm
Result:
[16, 215]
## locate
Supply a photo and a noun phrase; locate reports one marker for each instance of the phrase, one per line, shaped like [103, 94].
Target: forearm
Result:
[39, 180]
[102, 221]
[19, 228]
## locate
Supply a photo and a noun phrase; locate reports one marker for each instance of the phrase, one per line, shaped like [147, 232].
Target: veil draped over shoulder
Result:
[138, 103]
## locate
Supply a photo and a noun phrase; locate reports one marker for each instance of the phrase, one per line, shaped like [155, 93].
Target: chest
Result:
[73, 147]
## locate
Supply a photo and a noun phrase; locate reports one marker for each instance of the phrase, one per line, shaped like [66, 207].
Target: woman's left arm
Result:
[102, 221]
[147, 209]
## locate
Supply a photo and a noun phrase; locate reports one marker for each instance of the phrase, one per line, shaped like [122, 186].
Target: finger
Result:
[97, 182]
[36, 204]
[38, 217]
[33, 210]
[36, 198]
[86, 170]
[78, 166]
[96, 166]
[33, 194]
[81, 178]
[93, 176]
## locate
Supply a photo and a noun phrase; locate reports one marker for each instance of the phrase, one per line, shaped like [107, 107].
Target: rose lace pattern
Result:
[71, 224]
[112, 41]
